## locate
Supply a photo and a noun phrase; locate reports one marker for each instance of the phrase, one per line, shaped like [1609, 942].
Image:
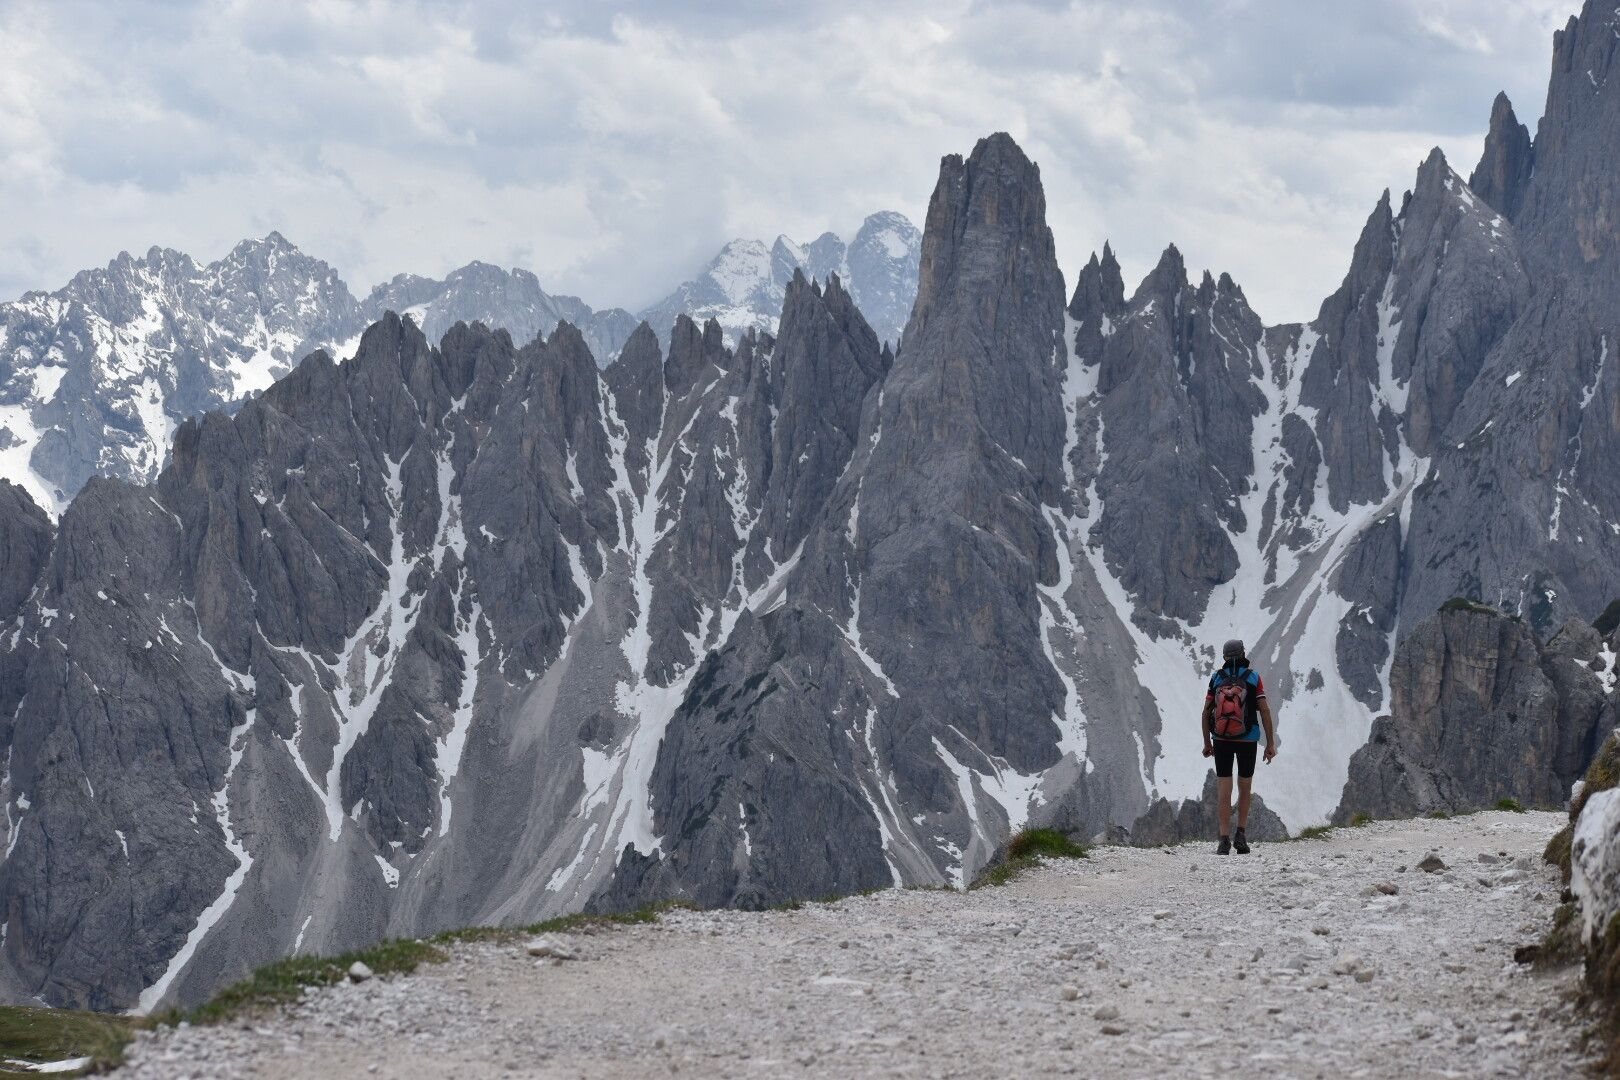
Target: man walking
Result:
[1236, 699]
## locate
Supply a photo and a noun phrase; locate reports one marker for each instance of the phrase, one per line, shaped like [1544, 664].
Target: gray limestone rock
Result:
[1482, 711]
[1171, 822]
[1506, 164]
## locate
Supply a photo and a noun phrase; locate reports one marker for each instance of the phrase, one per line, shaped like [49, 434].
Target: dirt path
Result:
[1130, 963]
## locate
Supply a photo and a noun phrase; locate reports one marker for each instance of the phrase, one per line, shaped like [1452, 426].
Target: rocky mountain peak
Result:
[1507, 161]
[1097, 303]
[992, 201]
[691, 351]
[1569, 208]
[743, 285]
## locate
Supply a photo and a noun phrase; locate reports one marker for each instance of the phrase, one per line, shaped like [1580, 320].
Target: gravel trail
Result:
[1297, 960]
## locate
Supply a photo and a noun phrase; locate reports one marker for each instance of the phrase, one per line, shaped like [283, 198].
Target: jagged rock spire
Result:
[1505, 166]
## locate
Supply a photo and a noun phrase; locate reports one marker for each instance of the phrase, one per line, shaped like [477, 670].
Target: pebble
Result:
[1431, 863]
[359, 972]
[1070, 992]
[1106, 1012]
[548, 948]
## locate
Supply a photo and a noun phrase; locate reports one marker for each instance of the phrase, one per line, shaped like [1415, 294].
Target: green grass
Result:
[1439, 815]
[585, 924]
[1025, 851]
[284, 981]
[1314, 832]
[41, 1035]
[1512, 805]
[1360, 818]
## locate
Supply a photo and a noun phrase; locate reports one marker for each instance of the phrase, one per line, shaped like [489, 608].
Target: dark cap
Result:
[1232, 648]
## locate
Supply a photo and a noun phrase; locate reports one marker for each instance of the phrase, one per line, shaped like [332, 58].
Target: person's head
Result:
[1233, 652]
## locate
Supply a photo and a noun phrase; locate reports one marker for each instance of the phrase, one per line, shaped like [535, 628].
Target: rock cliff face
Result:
[1170, 822]
[1483, 711]
[481, 633]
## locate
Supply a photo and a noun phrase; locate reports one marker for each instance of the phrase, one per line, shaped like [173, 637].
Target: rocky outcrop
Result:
[1483, 711]
[25, 545]
[1170, 822]
[25, 541]
[1504, 168]
[1178, 411]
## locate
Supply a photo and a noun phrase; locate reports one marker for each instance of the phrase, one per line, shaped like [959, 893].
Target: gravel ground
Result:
[1326, 958]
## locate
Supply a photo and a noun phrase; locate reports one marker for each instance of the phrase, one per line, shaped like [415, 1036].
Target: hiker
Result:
[1236, 698]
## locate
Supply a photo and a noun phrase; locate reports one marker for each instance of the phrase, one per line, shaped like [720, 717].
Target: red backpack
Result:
[1232, 710]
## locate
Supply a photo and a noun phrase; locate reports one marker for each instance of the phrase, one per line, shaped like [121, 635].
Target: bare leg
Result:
[1223, 803]
[1245, 783]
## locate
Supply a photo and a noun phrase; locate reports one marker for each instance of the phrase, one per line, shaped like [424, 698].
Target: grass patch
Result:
[586, 924]
[1025, 851]
[284, 981]
[1558, 850]
[1043, 843]
[1360, 818]
[1314, 832]
[1511, 805]
[41, 1035]
[1439, 815]
[1563, 941]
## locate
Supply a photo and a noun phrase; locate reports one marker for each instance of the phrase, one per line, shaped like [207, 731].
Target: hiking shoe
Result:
[1240, 842]
[1224, 847]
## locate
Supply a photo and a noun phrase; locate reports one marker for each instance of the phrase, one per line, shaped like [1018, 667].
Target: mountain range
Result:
[95, 376]
[479, 632]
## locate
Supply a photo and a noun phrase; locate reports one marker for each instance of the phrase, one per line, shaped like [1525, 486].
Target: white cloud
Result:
[612, 148]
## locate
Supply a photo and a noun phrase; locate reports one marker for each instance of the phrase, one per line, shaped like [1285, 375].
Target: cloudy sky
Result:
[613, 147]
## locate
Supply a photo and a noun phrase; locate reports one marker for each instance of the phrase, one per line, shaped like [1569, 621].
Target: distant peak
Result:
[1099, 290]
[1172, 262]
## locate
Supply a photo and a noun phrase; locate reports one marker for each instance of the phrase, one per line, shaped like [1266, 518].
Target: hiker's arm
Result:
[1209, 716]
[1271, 729]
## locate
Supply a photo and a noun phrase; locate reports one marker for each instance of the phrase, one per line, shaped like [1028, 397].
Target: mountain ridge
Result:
[95, 376]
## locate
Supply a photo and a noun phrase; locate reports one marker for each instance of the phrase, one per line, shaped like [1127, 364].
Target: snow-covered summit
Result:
[95, 376]
[743, 286]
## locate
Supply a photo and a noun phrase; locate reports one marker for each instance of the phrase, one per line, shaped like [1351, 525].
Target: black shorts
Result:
[1243, 751]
